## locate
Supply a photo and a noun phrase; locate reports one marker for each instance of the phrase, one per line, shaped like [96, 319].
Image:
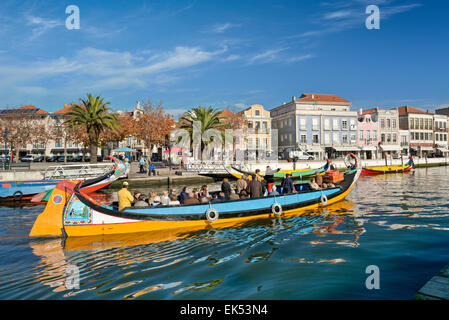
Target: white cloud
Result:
[350, 14]
[266, 56]
[301, 58]
[101, 69]
[41, 25]
[220, 28]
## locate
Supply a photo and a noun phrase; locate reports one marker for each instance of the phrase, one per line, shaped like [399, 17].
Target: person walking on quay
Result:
[125, 197]
[142, 164]
[226, 189]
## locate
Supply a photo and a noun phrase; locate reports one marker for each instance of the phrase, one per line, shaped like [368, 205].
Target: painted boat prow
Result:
[49, 222]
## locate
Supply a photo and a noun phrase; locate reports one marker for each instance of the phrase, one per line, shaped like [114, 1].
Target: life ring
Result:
[212, 215]
[323, 199]
[276, 209]
[18, 195]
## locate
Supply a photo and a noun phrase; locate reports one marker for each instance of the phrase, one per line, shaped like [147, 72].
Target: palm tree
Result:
[93, 114]
[208, 118]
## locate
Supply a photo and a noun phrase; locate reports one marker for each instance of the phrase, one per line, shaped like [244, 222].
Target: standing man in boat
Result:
[255, 188]
[269, 178]
[226, 189]
[329, 165]
[287, 184]
[125, 197]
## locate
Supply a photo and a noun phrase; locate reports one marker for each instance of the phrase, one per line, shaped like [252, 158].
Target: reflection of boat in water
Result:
[52, 248]
[295, 174]
[389, 169]
[75, 214]
[24, 191]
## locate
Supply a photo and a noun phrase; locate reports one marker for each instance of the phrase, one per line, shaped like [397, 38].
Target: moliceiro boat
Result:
[71, 213]
[389, 169]
[24, 191]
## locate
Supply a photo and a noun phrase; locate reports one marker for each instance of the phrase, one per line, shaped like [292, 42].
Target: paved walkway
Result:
[437, 288]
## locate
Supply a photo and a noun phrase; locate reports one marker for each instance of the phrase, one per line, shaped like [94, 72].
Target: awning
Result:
[443, 149]
[314, 149]
[391, 148]
[346, 148]
[125, 149]
[369, 148]
[426, 148]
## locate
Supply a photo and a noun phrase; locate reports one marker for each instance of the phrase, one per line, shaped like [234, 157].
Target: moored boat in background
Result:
[37, 191]
[389, 169]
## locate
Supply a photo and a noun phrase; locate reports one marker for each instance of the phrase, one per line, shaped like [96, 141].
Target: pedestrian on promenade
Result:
[142, 164]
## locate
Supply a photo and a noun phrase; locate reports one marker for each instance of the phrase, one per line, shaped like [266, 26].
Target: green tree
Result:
[207, 118]
[93, 115]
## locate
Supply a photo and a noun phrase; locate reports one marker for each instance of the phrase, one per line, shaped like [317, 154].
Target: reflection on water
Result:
[398, 222]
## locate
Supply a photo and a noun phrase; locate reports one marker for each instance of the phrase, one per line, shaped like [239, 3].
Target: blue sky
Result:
[220, 53]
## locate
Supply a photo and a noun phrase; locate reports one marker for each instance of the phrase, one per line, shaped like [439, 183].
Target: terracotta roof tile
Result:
[31, 107]
[226, 113]
[407, 109]
[321, 97]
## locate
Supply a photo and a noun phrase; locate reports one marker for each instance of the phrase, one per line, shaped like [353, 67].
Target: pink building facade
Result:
[368, 136]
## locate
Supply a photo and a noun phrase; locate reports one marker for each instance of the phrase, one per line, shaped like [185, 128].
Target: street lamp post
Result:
[6, 143]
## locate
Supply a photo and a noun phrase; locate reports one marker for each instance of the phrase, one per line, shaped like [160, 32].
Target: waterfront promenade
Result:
[37, 170]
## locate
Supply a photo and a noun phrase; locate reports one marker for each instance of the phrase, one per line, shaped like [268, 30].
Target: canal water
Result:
[397, 222]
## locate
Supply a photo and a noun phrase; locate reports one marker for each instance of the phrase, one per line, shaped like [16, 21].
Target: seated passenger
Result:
[156, 201]
[313, 185]
[319, 180]
[141, 202]
[287, 184]
[273, 192]
[215, 198]
[172, 195]
[191, 199]
[244, 194]
[165, 200]
[233, 195]
[183, 195]
[204, 192]
[196, 193]
[205, 199]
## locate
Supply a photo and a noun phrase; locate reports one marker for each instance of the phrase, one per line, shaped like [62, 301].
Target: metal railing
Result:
[83, 171]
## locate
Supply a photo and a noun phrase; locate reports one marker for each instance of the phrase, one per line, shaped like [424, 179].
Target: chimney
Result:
[313, 96]
[361, 111]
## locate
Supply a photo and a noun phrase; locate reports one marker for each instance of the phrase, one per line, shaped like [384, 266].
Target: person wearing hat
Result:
[124, 197]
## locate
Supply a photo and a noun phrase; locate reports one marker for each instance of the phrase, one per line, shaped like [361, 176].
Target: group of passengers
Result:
[245, 188]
